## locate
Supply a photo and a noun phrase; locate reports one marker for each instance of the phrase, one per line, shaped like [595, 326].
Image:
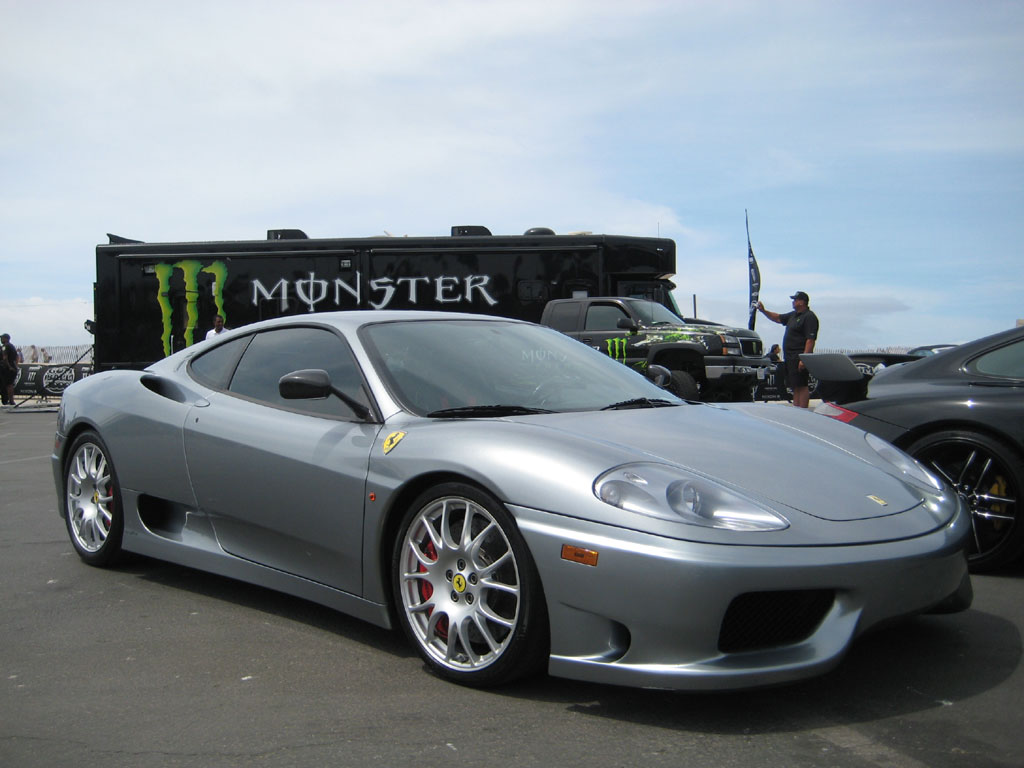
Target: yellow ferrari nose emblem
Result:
[459, 582]
[392, 440]
[880, 502]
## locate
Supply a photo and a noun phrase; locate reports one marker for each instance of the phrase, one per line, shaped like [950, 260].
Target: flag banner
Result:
[755, 278]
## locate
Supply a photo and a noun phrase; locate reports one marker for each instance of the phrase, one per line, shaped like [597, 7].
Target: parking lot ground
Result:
[150, 664]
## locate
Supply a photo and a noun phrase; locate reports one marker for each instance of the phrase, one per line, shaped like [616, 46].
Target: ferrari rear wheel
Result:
[92, 501]
[466, 589]
[989, 477]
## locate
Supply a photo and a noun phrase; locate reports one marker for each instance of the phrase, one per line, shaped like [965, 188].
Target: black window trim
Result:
[375, 413]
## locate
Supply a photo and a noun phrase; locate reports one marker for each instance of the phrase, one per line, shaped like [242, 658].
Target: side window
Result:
[272, 354]
[214, 368]
[1006, 362]
[565, 317]
[604, 317]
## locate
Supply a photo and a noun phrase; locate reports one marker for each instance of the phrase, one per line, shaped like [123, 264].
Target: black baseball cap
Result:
[801, 295]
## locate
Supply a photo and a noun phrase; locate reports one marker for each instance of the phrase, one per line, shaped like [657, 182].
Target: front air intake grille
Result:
[758, 620]
[752, 347]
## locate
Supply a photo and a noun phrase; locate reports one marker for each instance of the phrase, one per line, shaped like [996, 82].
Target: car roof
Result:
[354, 319]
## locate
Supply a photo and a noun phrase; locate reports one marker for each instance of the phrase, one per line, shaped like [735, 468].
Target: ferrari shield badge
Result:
[880, 502]
[392, 440]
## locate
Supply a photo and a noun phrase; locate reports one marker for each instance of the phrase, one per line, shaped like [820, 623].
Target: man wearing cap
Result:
[801, 333]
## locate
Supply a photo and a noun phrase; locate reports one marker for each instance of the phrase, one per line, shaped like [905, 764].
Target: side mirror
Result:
[627, 324]
[659, 374]
[315, 384]
[309, 384]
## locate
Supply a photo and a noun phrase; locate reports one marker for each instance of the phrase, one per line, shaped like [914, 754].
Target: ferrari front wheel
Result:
[92, 501]
[466, 589]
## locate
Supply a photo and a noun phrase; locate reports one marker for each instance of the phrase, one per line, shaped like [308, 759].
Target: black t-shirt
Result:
[10, 356]
[800, 326]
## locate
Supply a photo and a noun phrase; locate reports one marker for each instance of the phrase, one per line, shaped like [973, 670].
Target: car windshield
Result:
[466, 367]
[652, 313]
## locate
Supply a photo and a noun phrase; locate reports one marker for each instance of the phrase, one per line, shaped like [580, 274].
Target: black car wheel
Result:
[989, 478]
[683, 385]
[92, 501]
[466, 589]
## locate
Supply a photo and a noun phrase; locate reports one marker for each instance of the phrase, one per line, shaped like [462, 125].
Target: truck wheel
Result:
[683, 385]
[742, 395]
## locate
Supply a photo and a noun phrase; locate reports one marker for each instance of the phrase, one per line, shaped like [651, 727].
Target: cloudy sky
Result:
[878, 146]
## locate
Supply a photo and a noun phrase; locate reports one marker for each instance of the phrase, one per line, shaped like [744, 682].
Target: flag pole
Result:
[754, 275]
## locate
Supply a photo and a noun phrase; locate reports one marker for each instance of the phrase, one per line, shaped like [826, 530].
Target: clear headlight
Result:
[909, 468]
[670, 493]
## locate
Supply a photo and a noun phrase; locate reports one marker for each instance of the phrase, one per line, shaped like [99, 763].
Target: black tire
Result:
[989, 477]
[92, 501]
[466, 589]
[683, 385]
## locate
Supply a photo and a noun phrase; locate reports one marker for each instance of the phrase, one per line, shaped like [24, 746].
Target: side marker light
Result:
[579, 555]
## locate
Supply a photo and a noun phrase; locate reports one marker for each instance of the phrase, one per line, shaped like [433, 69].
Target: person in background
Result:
[778, 373]
[218, 328]
[799, 339]
[8, 368]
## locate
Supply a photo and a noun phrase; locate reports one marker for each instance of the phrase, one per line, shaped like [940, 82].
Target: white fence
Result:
[67, 354]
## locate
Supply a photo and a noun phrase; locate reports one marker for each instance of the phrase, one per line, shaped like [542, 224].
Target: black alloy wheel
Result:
[989, 477]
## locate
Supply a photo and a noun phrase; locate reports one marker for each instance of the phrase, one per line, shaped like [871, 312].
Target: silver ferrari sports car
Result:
[512, 498]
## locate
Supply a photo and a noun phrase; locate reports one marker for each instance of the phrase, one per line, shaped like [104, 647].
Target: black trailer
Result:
[152, 299]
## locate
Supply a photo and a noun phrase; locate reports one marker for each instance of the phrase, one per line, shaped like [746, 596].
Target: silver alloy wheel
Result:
[460, 584]
[90, 497]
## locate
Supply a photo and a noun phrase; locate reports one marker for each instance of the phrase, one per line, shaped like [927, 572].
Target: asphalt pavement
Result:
[150, 664]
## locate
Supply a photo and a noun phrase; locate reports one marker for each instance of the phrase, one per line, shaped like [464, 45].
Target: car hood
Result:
[817, 473]
[802, 463]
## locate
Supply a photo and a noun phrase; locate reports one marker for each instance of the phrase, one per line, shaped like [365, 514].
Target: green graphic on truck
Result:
[190, 270]
[617, 349]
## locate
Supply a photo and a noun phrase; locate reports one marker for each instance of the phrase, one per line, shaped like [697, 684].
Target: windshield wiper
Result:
[639, 402]
[487, 410]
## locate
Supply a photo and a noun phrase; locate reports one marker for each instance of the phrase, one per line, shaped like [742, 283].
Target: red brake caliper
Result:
[427, 590]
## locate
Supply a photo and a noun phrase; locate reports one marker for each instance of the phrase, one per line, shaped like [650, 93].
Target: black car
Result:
[960, 412]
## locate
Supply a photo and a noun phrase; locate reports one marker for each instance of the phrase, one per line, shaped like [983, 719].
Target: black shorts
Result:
[795, 377]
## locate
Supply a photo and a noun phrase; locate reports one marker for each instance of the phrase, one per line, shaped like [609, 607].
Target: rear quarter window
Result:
[1007, 362]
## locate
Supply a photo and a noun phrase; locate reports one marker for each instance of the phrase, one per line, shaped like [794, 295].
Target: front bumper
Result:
[655, 612]
[731, 370]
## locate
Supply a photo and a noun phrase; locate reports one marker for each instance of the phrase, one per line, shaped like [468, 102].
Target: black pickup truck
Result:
[707, 361]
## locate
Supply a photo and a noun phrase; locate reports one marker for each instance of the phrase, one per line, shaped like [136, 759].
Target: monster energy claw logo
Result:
[617, 349]
[190, 270]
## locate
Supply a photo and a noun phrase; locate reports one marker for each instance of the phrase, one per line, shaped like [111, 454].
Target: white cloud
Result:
[45, 322]
[860, 132]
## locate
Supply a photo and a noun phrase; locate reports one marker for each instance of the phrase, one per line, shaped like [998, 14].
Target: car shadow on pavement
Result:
[265, 600]
[922, 663]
